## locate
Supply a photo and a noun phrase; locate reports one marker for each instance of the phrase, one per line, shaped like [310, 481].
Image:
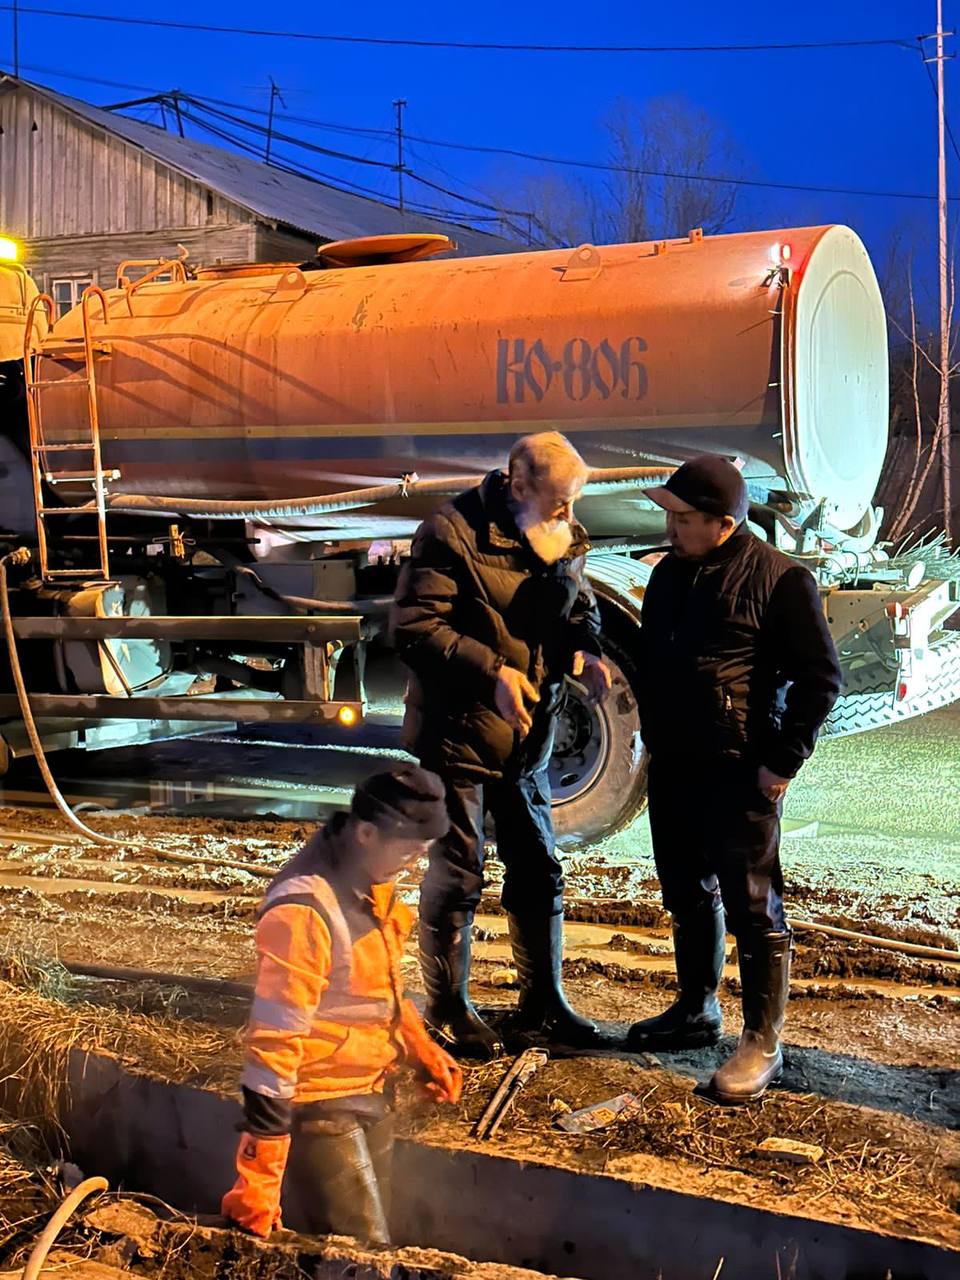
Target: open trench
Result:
[142, 1077]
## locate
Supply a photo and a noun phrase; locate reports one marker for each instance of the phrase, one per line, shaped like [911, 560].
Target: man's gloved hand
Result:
[444, 1079]
[253, 1202]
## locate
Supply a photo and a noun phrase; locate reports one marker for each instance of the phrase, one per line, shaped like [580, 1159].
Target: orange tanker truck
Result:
[211, 475]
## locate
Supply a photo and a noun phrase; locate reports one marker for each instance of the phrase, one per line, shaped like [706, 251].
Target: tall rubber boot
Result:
[450, 1014]
[757, 1060]
[694, 1019]
[537, 943]
[332, 1173]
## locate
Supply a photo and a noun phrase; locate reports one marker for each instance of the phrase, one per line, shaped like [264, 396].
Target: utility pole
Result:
[16, 38]
[400, 103]
[943, 410]
[274, 95]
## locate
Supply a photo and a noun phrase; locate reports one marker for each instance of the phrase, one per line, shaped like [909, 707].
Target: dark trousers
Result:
[520, 808]
[338, 1174]
[716, 834]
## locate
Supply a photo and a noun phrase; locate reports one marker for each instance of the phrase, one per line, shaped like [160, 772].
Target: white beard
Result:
[550, 539]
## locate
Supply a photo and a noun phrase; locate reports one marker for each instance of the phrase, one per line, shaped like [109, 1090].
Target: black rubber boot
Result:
[543, 1010]
[333, 1175]
[450, 1014]
[757, 1060]
[694, 1019]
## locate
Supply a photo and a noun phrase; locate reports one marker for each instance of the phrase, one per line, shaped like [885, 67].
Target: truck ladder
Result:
[46, 453]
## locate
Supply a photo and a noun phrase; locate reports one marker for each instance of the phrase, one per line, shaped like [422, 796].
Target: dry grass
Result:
[144, 930]
[44, 1017]
[862, 1169]
[27, 1193]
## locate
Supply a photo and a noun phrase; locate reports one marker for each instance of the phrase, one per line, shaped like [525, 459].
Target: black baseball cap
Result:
[708, 484]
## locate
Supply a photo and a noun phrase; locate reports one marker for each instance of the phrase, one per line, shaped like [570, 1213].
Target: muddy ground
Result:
[872, 1040]
[872, 1043]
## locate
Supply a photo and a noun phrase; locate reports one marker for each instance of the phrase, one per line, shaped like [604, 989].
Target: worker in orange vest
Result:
[329, 1023]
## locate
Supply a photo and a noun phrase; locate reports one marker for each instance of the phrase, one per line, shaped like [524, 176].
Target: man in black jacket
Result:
[492, 610]
[739, 673]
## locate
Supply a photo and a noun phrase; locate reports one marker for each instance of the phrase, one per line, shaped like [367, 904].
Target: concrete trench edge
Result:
[177, 1142]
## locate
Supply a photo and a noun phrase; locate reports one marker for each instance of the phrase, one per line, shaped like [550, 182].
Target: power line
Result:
[456, 195]
[283, 137]
[63, 74]
[305, 171]
[596, 165]
[472, 45]
[516, 153]
[727, 180]
[500, 215]
[299, 170]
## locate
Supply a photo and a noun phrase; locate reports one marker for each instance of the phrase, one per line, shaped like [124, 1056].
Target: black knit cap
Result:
[709, 484]
[406, 803]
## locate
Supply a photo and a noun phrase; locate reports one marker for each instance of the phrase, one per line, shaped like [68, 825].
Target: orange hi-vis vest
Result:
[326, 1011]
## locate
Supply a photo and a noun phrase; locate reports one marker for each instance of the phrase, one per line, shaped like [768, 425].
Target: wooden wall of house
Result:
[283, 244]
[98, 256]
[60, 176]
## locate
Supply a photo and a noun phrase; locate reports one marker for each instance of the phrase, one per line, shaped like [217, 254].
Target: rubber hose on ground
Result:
[885, 944]
[22, 557]
[38, 1255]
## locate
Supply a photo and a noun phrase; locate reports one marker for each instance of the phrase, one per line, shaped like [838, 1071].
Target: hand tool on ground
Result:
[526, 1065]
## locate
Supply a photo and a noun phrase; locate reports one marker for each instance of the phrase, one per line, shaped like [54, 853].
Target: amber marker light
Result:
[347, 717]
[9, 250]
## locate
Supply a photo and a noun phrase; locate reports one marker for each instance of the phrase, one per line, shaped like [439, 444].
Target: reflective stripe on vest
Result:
[338, 1002]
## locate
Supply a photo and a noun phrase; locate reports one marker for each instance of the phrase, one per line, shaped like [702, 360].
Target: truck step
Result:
[61, 446]
[39, 383]
[70, 477]
[71, 349]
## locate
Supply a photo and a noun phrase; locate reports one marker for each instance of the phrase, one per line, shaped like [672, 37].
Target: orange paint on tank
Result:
[282, 382]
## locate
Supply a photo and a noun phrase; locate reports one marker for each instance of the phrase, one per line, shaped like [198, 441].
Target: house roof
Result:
[273, 194]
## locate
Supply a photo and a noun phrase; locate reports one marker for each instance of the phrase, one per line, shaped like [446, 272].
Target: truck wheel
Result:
[596, 777]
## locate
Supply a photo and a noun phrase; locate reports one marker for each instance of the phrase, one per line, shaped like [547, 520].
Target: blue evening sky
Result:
[850, 117]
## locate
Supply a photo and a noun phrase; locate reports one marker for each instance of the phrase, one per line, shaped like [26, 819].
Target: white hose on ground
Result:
[38, 1254]
[885, 944]
[226, 987]
[833, 931]
[22, 557]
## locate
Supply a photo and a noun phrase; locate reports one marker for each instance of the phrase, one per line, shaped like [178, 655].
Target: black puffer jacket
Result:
[473, 596]
[736, 658]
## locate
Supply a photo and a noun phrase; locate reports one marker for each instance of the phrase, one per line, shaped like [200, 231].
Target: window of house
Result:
[66, 292]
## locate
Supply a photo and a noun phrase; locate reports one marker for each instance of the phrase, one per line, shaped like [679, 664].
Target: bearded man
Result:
[492, 610]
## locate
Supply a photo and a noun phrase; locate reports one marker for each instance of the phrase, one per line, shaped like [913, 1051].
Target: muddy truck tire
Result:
[597, 778]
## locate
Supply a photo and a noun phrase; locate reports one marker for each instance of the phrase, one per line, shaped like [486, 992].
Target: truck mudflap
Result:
[871, 708]
[915, 663]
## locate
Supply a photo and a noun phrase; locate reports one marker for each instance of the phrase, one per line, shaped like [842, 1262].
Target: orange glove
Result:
[253, 1202]
[444, 1081]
